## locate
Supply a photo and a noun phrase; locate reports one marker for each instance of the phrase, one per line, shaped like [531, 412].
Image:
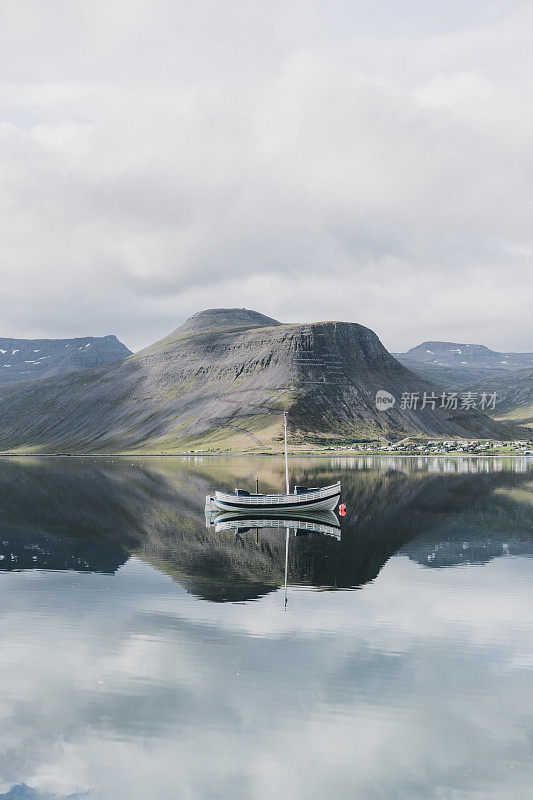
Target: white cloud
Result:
[178, 156]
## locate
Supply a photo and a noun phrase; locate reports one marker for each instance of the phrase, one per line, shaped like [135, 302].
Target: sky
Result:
[368, 162]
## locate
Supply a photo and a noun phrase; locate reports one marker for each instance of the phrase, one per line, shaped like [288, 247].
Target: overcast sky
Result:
[368, 160]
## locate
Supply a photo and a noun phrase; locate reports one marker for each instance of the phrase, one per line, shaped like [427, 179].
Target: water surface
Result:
[145, 655]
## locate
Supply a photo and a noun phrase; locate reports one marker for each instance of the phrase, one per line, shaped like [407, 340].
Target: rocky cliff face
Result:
[221, 380]
[26, 359]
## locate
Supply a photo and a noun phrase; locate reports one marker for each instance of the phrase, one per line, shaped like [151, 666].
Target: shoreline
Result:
[334, 454]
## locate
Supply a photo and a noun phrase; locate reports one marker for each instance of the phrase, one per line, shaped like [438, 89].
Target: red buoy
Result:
[342, 510]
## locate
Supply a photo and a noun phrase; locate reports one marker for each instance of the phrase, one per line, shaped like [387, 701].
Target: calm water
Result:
[147, 656]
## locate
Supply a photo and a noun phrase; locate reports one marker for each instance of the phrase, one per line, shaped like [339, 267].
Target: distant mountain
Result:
[451, 378]
[26, 359]
[461, 367]
[456, 367]
[221, 380]
[514, 395]
[451, 354]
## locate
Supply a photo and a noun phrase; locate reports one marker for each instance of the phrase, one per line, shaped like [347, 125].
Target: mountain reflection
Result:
[92, 514]
[36, 550]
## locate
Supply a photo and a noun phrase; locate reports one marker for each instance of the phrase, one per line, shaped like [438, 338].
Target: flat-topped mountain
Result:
[26, 359]
[221, 381]
[451, 354]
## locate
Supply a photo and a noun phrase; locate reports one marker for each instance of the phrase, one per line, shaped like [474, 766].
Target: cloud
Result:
[309, 160]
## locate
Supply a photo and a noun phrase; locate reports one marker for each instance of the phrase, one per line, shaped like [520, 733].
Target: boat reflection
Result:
[321, 522]
[325, 522]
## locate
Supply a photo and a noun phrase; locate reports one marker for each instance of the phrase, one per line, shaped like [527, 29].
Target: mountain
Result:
[451, 354]
[26, 359]
[451, 379]
[221, 380]
[514, 395]
[455, 366]
[473, 367]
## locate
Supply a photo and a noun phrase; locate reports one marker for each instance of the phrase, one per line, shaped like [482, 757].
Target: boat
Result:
[324, 499]
[302, 498]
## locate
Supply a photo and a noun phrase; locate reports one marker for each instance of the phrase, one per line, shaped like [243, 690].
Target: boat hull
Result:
[328, 504]
[322, 500]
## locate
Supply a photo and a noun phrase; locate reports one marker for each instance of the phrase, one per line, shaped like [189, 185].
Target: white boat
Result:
[302, 498]
[325, 499]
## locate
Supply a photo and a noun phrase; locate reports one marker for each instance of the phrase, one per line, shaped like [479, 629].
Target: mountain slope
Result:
[221, 381]
[461, 367]
[452, 379]
[515, 396]
[26, 359]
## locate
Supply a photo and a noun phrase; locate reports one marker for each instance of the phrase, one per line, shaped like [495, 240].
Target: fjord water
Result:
[145, 655]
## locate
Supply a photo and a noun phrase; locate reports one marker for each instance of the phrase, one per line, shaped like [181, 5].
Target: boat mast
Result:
[286, 458]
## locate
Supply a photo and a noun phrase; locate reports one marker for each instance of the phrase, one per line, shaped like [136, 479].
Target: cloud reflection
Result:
[124, 685]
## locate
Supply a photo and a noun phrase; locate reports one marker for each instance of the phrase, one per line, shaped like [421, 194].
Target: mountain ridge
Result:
[449, 354]
[31, 359]
[225, 386]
